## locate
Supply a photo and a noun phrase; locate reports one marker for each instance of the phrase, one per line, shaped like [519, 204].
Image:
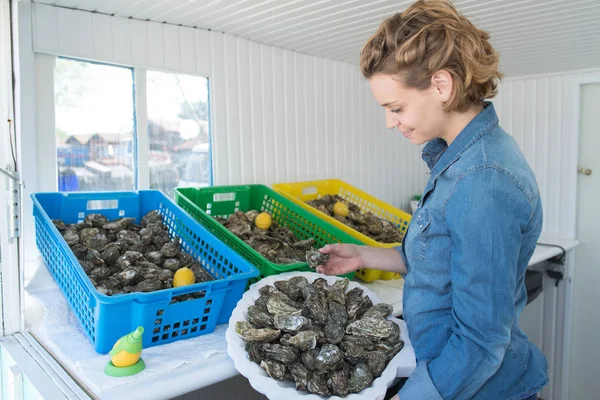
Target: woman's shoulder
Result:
[497, 153]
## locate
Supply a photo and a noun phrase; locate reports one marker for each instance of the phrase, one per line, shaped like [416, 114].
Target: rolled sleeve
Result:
[399, 250]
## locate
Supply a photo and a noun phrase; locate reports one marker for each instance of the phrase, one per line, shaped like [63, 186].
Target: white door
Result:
[585, 343]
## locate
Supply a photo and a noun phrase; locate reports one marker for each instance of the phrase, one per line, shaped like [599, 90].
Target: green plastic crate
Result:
[222, 201]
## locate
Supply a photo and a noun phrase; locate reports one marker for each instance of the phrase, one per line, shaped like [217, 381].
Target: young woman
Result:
[465, 253]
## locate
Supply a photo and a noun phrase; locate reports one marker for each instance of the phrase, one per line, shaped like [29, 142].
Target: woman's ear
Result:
[442, 83]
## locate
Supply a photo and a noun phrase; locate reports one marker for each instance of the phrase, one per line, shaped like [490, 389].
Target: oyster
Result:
[337, 291]
[172, 263]
[361, 341]
[279, 303]
[305, 340]
[128, 235]
[356, 304]
[381, 310]
[329, 358]
[337, 313]
[360, 378]
[286, 355]
[309, 358]
[170, 249]
[334, 332]
[338, 383]
[71, 236]
[395, 335]
[118, 225]
[129, 275]
[376, 361]
[259, 318]
[353, 353]
[315, 258]
[250, 334]
[152, 217]
[274, 369]
[255, 352]
[289, 323]
[373, 328]
[300, 375]
[317, 384]
[390, 349]
[316, 302]
[148, 286]
[292, 287]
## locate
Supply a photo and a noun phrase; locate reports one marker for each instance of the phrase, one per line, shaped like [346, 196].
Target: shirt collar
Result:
[438, 155]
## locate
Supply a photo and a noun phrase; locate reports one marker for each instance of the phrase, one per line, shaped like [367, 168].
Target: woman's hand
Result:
[396, 397]
[343, 258]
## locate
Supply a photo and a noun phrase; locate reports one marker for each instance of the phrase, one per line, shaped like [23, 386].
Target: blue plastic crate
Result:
[106, 318]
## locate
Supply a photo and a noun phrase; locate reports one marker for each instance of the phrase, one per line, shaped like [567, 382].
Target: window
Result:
[178, 133]
[94, 126]
[96, 139]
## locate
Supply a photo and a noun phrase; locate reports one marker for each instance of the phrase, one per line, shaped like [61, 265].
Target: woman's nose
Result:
[390, 120]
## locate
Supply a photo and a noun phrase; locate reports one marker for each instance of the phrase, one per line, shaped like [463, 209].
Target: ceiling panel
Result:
[532, 36]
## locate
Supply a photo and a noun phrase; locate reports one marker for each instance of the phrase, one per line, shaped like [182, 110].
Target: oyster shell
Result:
[317, 384]
[300, 375]
[279, 303]
[259, 318]
[316, 303]
[360, 378]
[292, 287]
[315, 258]
[249, 334]
[334, 332]
[339, 382]
[305, 340]
[286, 355]
[290, 323]
[274, 369]
[309, 358]
[329, 358]
[381, 310]
[373, 328]
[254, 351]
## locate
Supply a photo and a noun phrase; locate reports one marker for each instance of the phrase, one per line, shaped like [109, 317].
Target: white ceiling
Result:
[532, 36]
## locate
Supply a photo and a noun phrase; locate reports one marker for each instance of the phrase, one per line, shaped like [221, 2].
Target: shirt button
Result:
[419, 217]
[421, 226]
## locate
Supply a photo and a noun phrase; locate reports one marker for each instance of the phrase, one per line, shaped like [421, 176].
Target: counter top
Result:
[190, 376]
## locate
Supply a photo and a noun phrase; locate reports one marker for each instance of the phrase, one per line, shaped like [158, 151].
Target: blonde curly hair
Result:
[429, 36]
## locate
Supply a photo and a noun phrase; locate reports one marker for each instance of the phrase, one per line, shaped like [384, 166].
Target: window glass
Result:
[178, 134]
[94, 126]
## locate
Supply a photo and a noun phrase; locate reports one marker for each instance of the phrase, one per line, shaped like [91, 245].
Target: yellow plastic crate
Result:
[300, 192]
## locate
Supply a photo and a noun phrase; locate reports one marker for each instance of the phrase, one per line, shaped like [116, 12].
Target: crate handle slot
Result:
[224, 197]
[102, 204]
[309, 190]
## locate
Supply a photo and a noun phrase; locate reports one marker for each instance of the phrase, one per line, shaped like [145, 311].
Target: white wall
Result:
[538, 112]
[276, 116]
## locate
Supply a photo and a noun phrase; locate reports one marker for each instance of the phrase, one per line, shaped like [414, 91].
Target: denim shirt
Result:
[466, 251]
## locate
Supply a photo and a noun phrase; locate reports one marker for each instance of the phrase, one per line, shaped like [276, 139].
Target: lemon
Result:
[184, 276]
[263, 221]
[340, 209]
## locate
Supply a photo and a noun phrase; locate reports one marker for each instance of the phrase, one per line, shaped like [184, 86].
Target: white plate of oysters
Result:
[303, 335]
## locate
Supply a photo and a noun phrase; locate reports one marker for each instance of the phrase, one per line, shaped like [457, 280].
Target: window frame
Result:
[46, 132]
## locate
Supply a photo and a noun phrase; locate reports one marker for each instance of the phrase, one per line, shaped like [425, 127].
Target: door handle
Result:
[584, 171]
